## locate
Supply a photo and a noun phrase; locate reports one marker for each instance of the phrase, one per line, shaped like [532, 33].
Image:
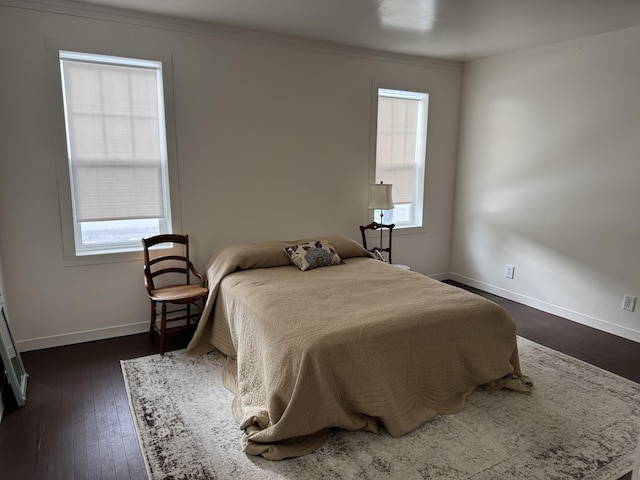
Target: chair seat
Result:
[178, 293]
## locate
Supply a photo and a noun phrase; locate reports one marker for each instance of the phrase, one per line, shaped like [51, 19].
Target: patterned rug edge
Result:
[147, 463]
[148, 460]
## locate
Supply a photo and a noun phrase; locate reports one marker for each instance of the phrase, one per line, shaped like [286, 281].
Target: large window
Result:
[401, 141]
[117, 151]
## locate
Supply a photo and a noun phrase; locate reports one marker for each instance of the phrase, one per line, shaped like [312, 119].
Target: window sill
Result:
[409, 230]
[97, 259]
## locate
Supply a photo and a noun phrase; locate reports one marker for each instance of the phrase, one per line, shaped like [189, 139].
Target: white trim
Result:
[69, 62]
[141, 327]
[52, 48]
[628, 33]
[124, 16]
[566, 313]
[83, 336]
[392, 89]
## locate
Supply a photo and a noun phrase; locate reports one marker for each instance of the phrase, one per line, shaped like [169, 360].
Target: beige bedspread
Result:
[356, 346]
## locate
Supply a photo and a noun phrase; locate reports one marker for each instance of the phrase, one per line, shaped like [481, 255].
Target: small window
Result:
[401, 142]
[117, 151]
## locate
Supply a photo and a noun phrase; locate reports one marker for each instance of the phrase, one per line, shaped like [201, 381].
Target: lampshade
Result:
[380, 196]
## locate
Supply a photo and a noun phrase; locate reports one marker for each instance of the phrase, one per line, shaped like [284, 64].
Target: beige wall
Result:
[273, 141]
[548, 179]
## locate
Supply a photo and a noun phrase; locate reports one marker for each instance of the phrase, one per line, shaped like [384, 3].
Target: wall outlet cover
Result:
[629, 303]
[509, 271]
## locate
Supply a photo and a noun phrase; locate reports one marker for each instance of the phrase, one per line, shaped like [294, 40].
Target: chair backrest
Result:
[378, 226]
[157, 265]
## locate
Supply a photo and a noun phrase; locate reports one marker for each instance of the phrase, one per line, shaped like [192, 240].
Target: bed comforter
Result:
[359, 345]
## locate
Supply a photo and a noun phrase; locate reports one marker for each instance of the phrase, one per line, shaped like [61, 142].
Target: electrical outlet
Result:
[629, 303]
[509, 271]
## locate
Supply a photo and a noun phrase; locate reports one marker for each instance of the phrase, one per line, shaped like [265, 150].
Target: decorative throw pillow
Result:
[312, 255]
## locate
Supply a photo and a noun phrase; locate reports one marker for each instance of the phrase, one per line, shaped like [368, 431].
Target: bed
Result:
[356, 344]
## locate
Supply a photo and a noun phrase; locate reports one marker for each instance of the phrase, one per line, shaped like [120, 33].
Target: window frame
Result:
[67, 60]
[132, 252]
[417, 224]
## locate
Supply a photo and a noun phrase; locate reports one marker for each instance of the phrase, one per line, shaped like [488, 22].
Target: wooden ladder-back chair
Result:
[378, 226]
[168, 281]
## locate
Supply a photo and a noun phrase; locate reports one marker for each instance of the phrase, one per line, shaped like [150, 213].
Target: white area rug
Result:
[581, 422]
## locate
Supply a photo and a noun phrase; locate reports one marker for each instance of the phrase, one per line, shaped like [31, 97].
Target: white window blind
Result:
[116, 144]
[396, 145]
[401, 150]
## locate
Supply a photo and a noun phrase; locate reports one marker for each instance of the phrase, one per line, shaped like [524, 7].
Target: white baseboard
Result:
[80, 337]
[141, 327]
[578, 317]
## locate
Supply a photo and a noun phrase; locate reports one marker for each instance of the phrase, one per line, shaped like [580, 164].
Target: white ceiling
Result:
[447, 29]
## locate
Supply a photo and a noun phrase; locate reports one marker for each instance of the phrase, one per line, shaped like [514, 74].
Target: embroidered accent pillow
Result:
[312, 255]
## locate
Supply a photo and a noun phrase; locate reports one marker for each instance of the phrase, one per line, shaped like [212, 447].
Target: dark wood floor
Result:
[607, 351]
[77, 425]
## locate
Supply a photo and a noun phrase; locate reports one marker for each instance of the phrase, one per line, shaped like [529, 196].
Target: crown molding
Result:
[131, 17]
[573, 45]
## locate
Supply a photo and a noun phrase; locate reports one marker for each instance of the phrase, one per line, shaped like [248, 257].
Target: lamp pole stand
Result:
[381, 215]
[380, 198]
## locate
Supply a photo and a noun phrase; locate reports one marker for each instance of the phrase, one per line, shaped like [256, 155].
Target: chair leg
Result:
[153, 318]
[163, 327]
